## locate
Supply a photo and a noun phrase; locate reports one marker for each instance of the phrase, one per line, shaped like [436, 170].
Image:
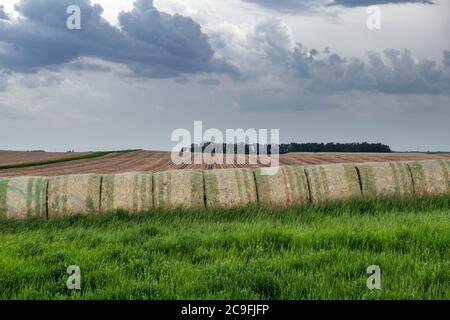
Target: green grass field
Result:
[319, 252]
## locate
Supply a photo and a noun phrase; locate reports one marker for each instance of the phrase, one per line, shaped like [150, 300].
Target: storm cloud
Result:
[3, 15]
[289, 5]
[153, 67]
[308, 5]
[151, 43]
[389, 72]
[446, 60]
[364, 3]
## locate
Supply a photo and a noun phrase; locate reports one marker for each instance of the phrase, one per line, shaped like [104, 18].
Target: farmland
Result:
[15, 157]
[318, 252]
[120, 162]
[174, 235]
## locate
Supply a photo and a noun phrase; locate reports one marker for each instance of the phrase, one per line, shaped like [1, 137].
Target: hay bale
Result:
[385, 179]
[178, 188]
[431, 177]
[74, 194]
[333, 182]
[131, 192]
[288, 186]
[23, 197]
[230, 188]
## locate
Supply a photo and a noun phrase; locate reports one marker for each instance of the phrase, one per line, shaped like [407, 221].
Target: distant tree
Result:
[293, 147]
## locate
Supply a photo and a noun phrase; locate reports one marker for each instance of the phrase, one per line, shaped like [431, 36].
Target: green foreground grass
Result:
[319, 252]
[90, 155]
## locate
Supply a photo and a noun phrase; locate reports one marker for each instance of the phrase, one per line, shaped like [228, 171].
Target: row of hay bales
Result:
[292, 185]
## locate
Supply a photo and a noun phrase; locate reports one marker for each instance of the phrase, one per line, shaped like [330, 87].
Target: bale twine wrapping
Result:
[385, 179]
[178, 188]
[431, 177]
[131, 192]
[229, 188]
[288, 186]
[333, 182]
[74, 194]
[23, 197]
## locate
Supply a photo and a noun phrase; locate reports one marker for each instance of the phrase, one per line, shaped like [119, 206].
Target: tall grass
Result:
[317, 252]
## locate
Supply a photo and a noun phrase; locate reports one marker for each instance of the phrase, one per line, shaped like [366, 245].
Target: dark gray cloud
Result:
[364, 3]
[308, 5]
[3, 15]
[289, 5]
[151, 43]
[392, 72]
[446, 60]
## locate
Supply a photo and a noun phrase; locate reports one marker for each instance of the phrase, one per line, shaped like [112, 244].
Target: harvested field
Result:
[288, 187]
[131, 192]
[76, 194]
[333, 182]
[386, 179]
[160, 161]
[431, 177]
[23, 197]
[15, 157]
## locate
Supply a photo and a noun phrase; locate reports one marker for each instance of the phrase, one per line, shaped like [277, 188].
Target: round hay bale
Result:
[431, 177]
[131, 192]
[228, 188]
[385, 179]
[333, 182]
[288, 186]
[74, 194]
[23, 197]
[178, 188]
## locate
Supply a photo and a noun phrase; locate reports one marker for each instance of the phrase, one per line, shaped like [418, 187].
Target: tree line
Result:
[242, 148]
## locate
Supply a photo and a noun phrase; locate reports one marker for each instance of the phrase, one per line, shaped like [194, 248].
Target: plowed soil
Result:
[160, 161]
[14, 157]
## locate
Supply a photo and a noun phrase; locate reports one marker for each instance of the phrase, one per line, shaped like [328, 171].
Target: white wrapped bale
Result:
[431, 177]
[333, 182]
[287, 187]
[74, 194]
[130, 192]
[385, 179]
[229, 188]
[178, 188]
[23, 197]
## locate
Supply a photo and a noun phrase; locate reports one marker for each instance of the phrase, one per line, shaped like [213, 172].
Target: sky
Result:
[138, 70]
